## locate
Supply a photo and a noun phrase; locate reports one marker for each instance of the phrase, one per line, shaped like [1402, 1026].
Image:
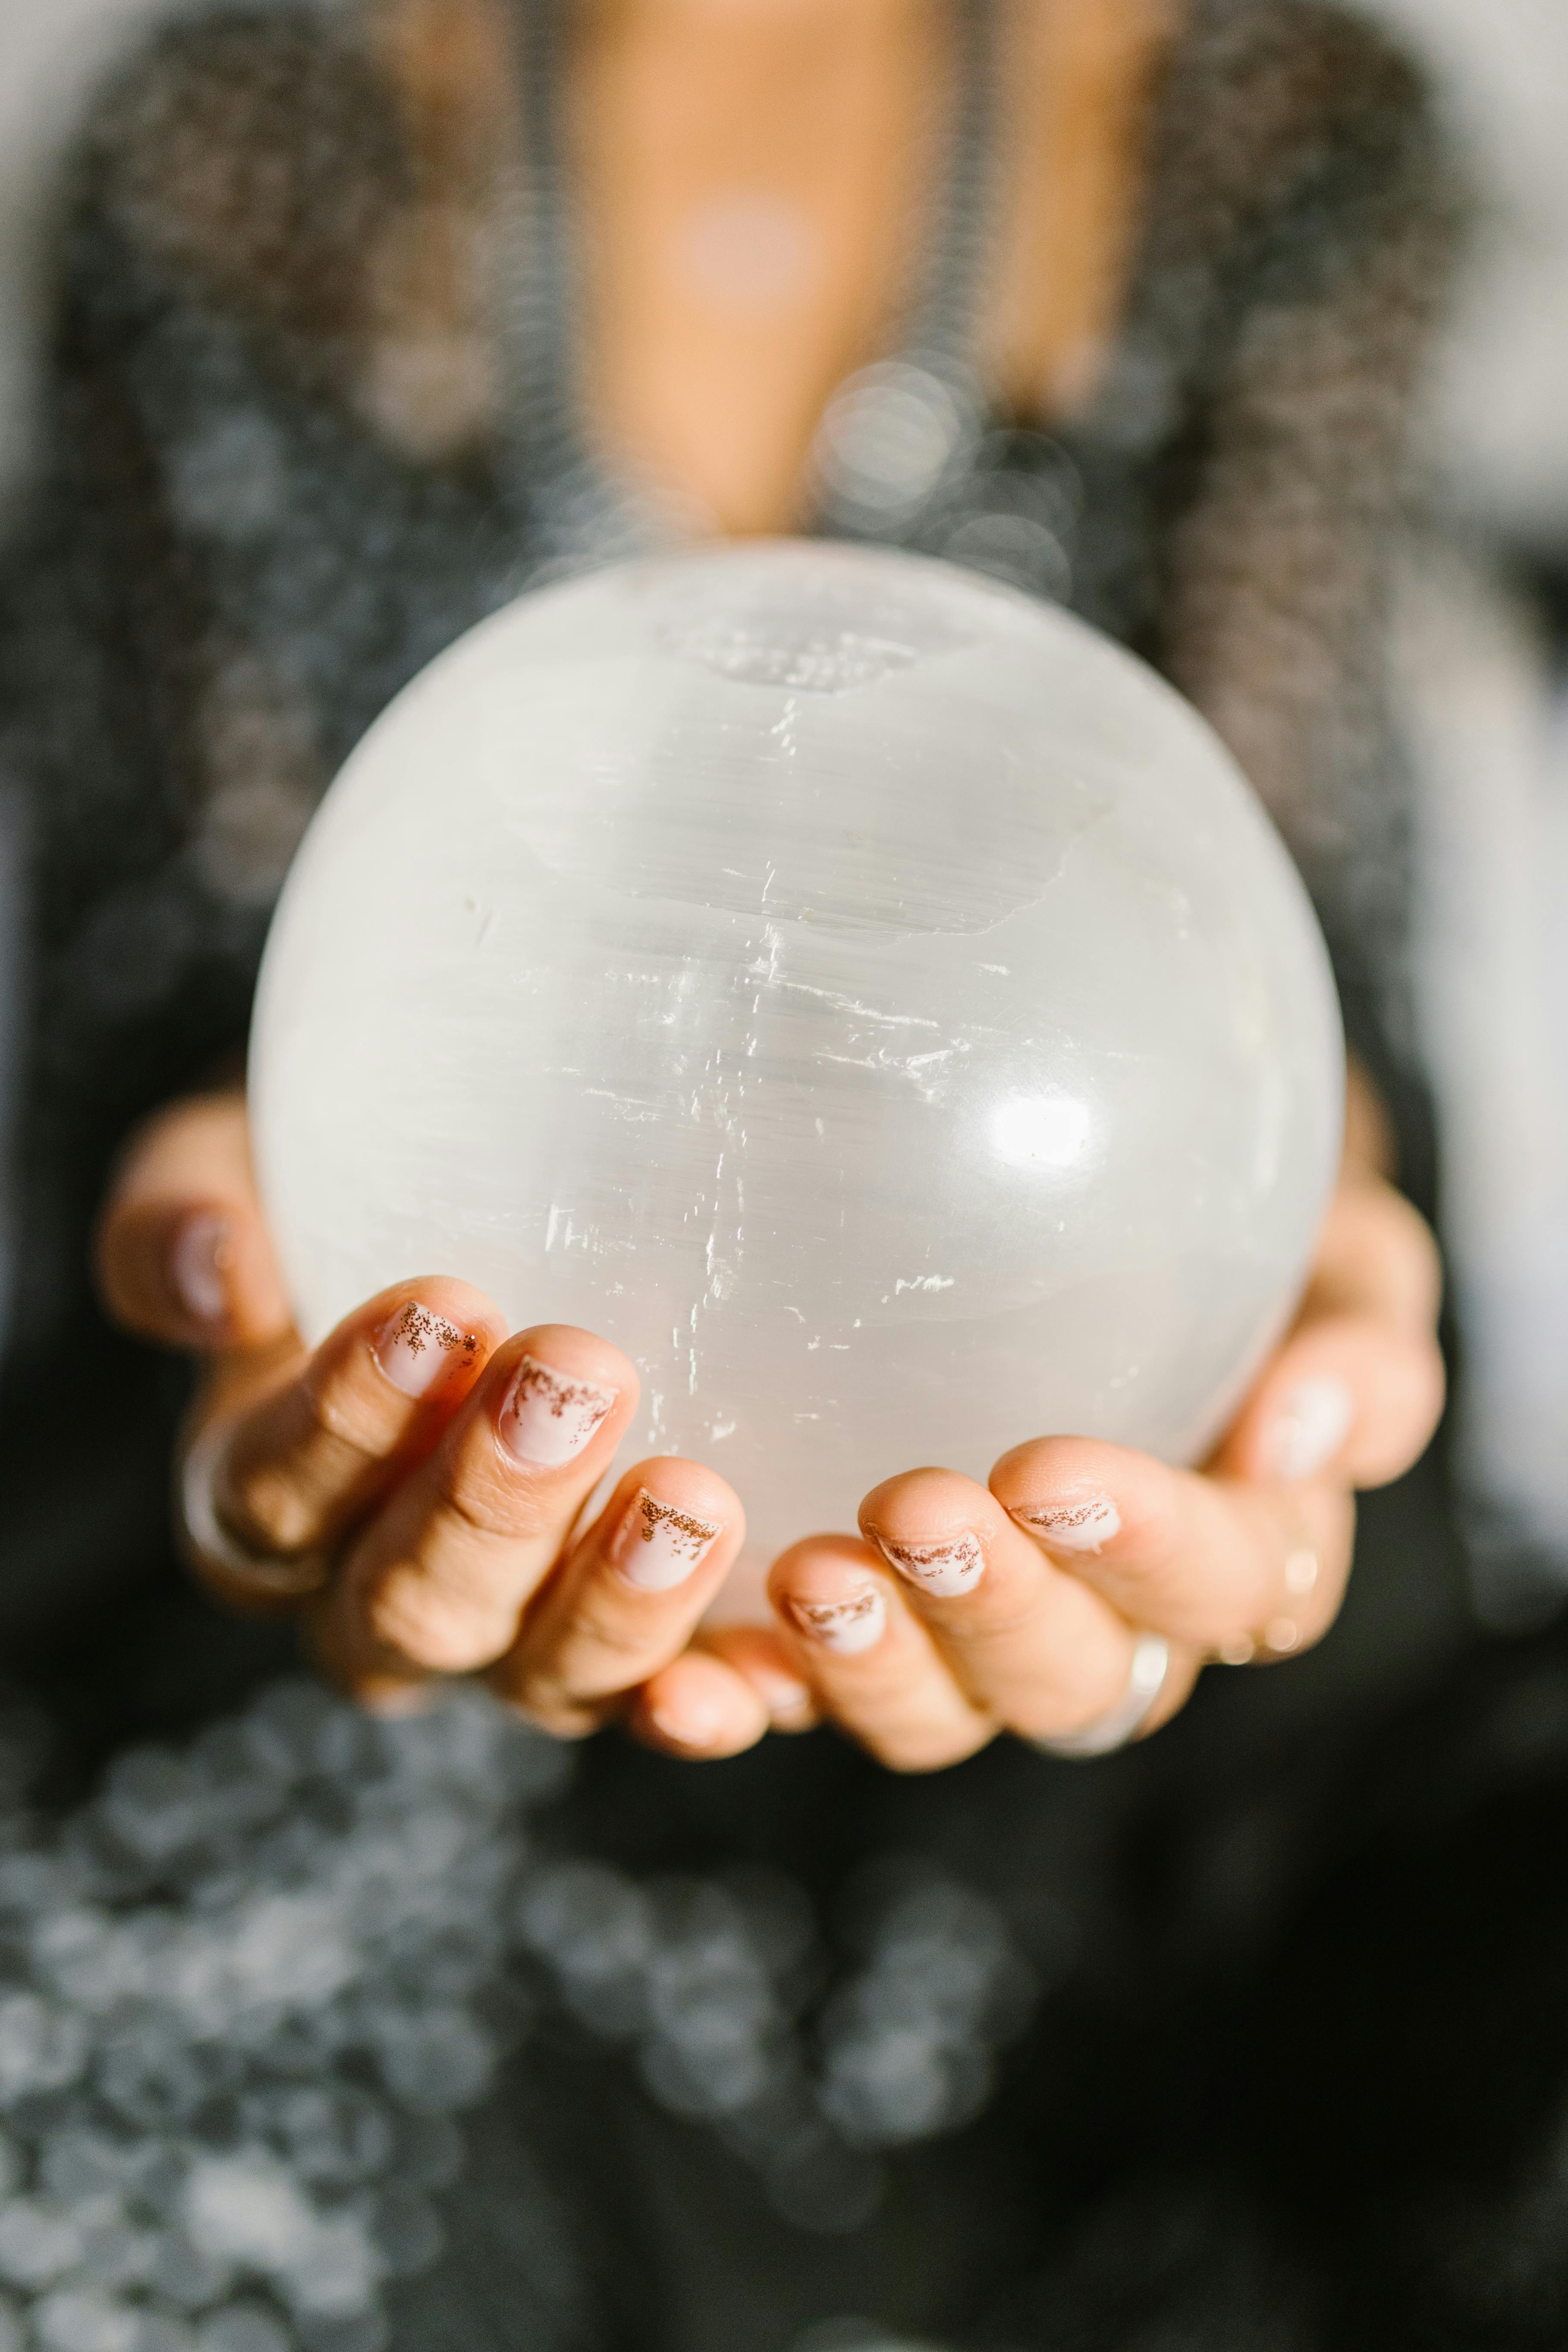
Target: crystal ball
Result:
[871, 997]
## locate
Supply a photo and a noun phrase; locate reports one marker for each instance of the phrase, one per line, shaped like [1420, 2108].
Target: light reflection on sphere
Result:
[870, 996]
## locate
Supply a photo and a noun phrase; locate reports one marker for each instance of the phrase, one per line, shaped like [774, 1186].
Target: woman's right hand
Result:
[413, 1487]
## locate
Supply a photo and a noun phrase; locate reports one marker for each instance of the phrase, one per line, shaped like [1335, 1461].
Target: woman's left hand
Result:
[1028, 1604]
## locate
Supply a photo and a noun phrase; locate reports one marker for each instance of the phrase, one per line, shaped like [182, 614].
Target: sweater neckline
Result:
[894, 439]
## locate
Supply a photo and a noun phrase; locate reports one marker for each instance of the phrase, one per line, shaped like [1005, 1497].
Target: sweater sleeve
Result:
[162, 744]
[1308, 221]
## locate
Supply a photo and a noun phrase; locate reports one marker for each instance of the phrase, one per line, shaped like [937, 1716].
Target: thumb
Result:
[182, 1253]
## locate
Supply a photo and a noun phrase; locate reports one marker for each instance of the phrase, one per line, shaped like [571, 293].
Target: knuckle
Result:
[410, 1615]
[597, 1660]
[267, 1510]
[996, 1628]
[597, 1625]
[1160, 1543]
[460, 1497]
[333, 1418]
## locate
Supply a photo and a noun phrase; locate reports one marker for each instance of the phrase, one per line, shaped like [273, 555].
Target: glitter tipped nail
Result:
[846, 1626]
[546, 1418]
[954, 1565]
[657, 1546]
[198, 1266]
[417, 1350]
[1070, 1527]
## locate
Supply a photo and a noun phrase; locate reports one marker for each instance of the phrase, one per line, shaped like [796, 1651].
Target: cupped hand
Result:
[415, 1487]
[1028, 1603]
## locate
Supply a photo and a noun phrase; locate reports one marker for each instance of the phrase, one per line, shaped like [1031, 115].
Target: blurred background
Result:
[1481, 685]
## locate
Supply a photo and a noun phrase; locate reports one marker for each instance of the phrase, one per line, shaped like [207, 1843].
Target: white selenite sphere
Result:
[870, 997]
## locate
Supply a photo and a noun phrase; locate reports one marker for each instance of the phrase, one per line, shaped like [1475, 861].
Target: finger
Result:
[699, 1705]
[1035, 1646]
[1357, 1389]
[762, 1658]
[628, 1598]
[318, 1450]
[438, 1580]
[1376, 1255]
[874, 1668]
[1212, 1563]
[1369, 1148]
[181, 1253]
[1350, 1399]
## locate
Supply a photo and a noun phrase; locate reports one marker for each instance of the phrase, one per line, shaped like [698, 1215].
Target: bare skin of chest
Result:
[755, 182]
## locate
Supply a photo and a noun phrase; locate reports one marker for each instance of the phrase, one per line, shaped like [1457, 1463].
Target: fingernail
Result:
[1070, 1527]
[657, 1547]
[546, 1418]
[852, 1624]
[417, 1349]
[199, 1262]
[954, 1565]
[1311, 1428]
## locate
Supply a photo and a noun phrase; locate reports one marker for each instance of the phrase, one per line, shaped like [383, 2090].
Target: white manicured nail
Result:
[846, 1626]
[954, 1565]
[1070, 1527]
[657, 1547]
[1311, 1430]
[546, 1418]
[416, 1349]
[199, 1263]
